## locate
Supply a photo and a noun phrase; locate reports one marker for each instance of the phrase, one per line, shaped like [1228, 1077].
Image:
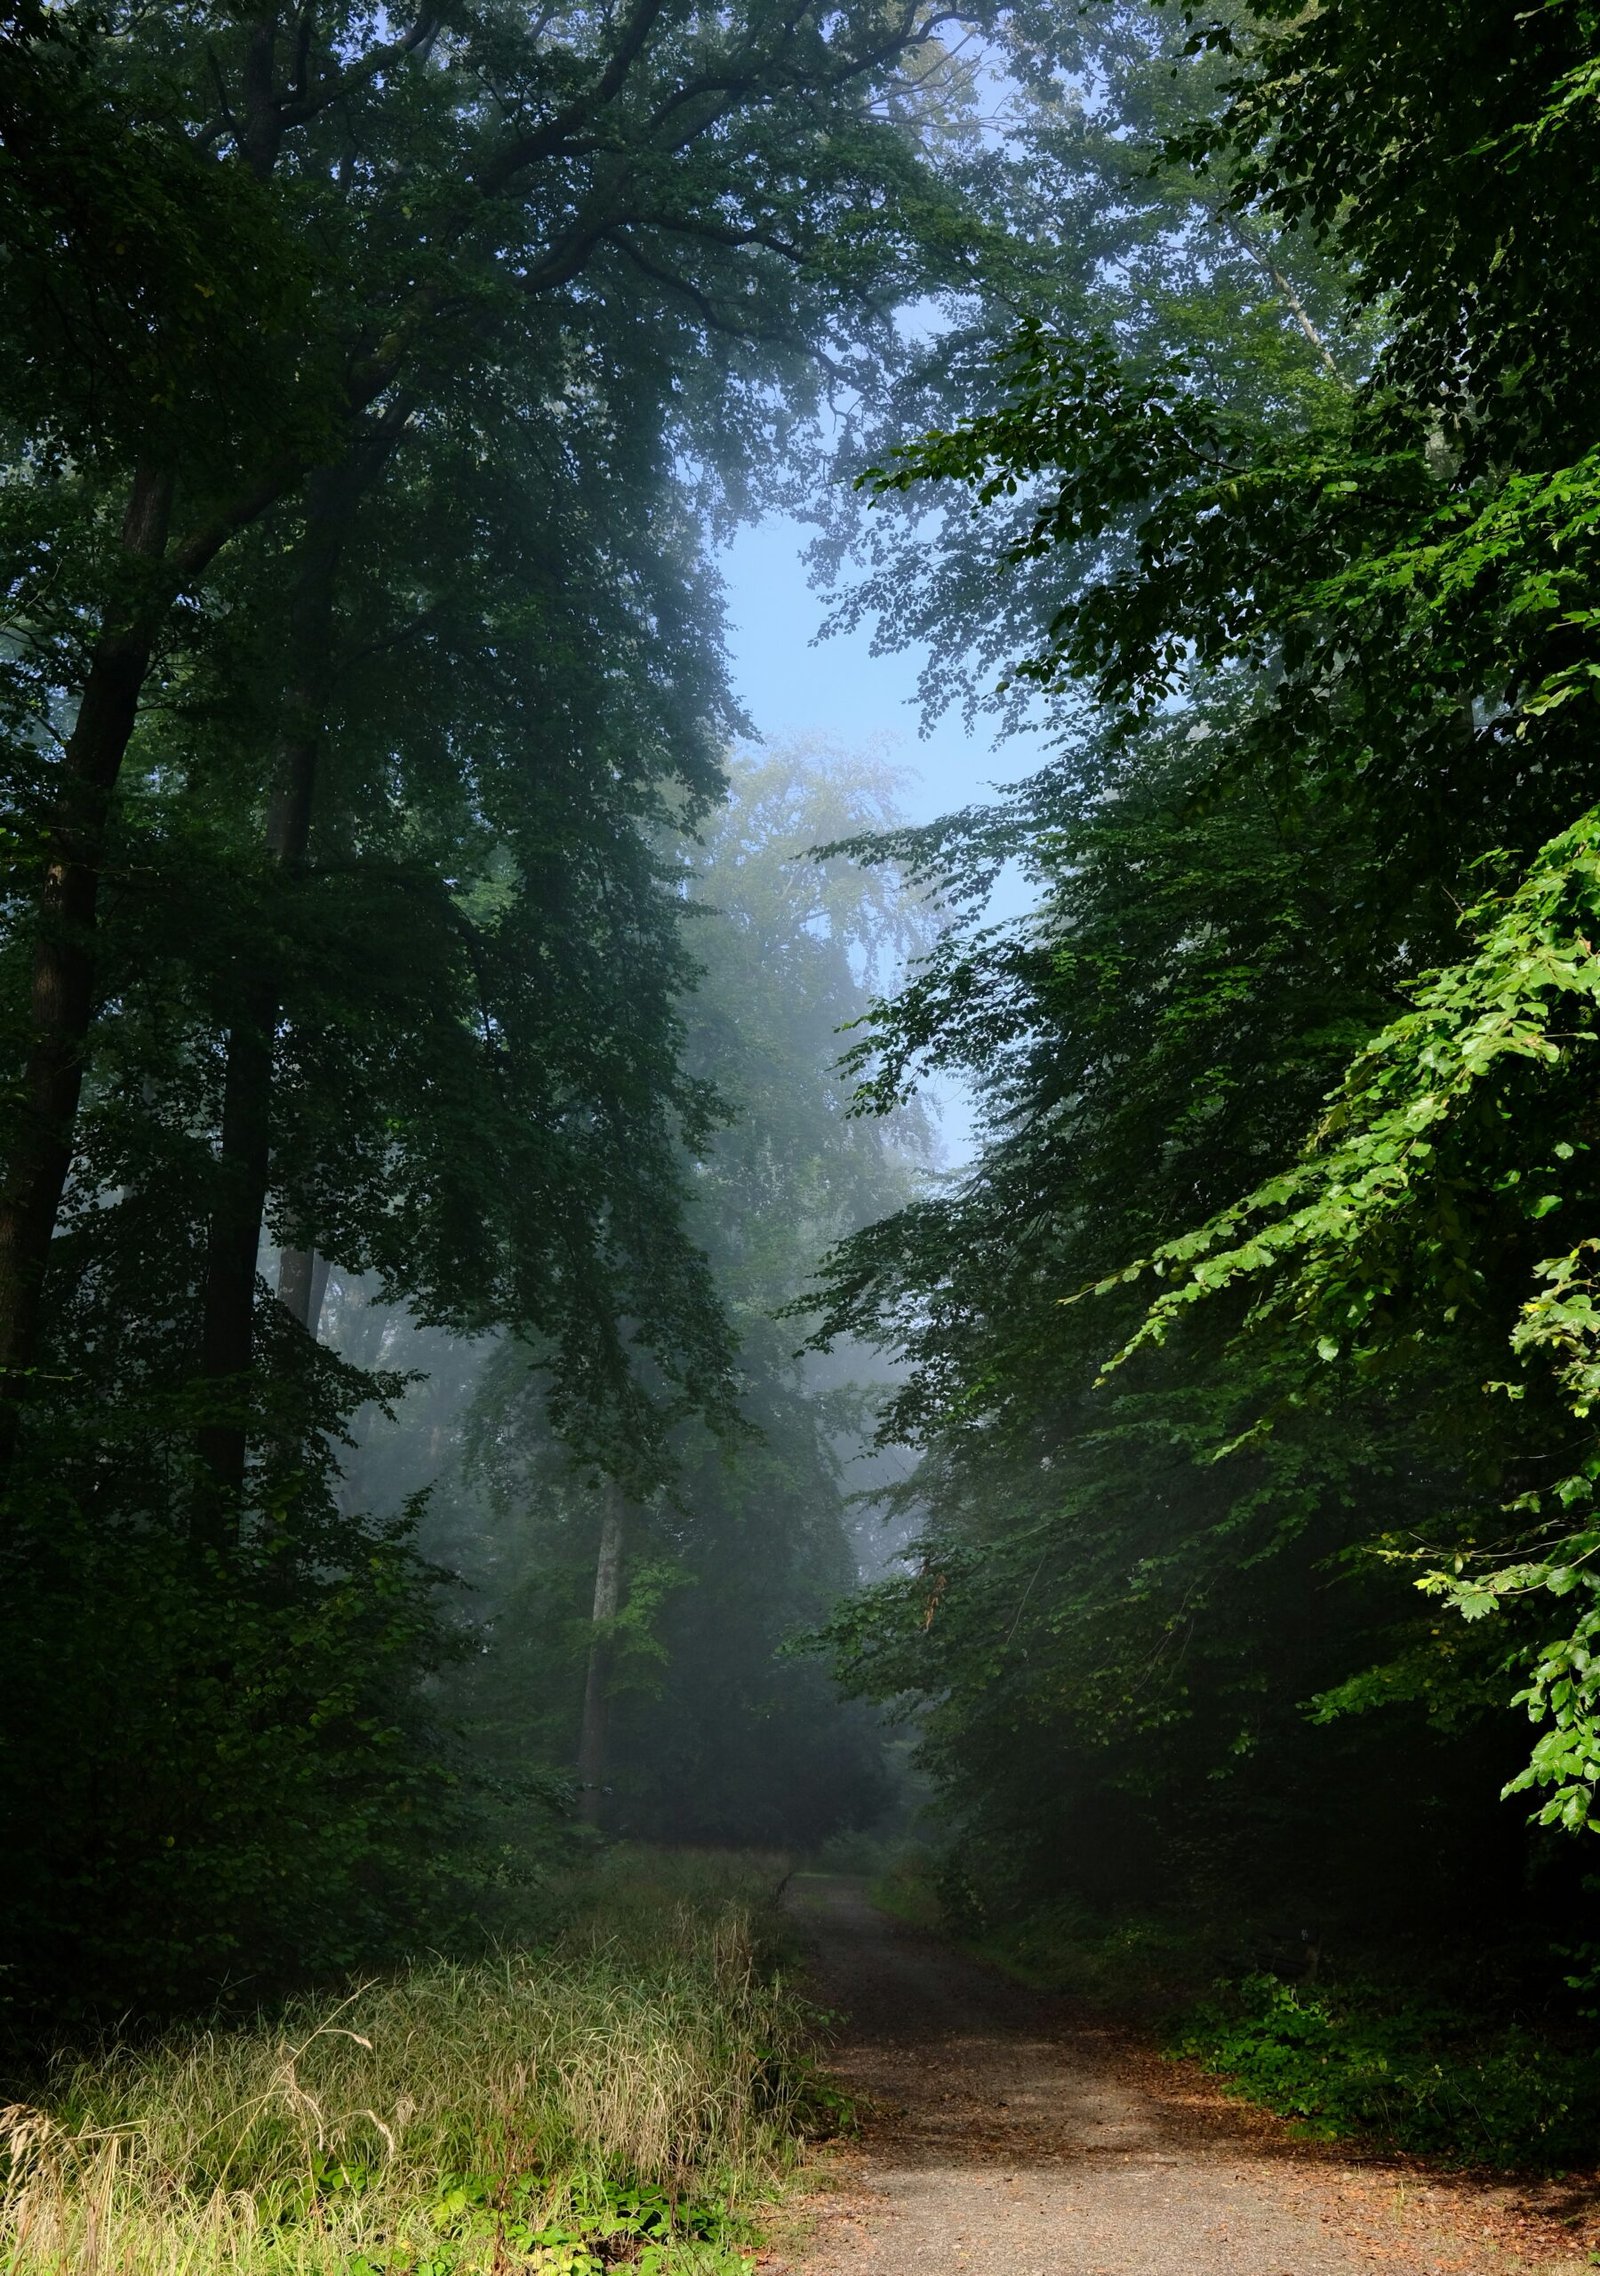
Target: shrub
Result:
[1414, 2075]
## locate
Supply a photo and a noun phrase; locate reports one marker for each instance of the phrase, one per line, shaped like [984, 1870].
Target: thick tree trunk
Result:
[319, 1288]
[62, 1005]
[245, 1160]
[232, 1245]
[596, 1689]
[35, 1174]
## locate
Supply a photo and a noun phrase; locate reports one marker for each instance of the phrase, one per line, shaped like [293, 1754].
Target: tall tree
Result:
[666, 1667]
[363, 649]
[449, 202]
[1319, 658]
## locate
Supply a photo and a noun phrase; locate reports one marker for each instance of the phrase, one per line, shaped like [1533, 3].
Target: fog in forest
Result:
[649, 1639]
[797, 1152]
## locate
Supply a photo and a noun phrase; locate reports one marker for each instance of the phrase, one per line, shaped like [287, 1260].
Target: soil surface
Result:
[1003, 2133]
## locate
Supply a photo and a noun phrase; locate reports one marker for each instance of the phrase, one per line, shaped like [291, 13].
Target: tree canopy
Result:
[375, 388]
[423, 1117]
[1251, 1290]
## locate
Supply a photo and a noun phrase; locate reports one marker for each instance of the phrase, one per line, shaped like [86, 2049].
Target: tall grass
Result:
[601, 2100]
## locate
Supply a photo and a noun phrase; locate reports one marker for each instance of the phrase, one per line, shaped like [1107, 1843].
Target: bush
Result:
[1387, 2058]
[215, 1770]
[1412, 2075]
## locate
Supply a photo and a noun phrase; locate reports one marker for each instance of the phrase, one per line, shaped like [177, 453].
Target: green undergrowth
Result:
[1418, 2073]
[1385, 2054]
[625, 2094]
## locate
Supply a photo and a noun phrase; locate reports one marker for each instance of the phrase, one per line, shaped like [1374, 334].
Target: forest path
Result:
[1004, 2135]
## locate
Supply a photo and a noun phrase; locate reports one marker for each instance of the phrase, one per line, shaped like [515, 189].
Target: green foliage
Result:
[373, 390]
[186, 319]
[1471, 2054]
[1106, 246]
[1318, 660]
[647, 2229]
[1352, 2060]
[1113, 1634]
[717, 1733]
[226, 1775]
[1420, 1166]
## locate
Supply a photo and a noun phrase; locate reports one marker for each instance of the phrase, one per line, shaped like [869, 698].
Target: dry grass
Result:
[645, 2045]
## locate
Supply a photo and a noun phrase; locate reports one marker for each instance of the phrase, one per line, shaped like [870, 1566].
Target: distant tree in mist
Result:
[712, 1732]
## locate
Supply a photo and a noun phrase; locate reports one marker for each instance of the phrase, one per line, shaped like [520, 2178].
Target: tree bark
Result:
[62, 995]
[40, 1159]
[244, 1165]
[332, 495]
[596, 1690]
[233, 1241]
[63, 983]
[302, 1283]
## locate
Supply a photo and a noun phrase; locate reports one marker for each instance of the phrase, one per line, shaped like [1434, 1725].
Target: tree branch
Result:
[315, 100]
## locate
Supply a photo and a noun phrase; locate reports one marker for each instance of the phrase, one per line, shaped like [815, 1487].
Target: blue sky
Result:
[839, 689]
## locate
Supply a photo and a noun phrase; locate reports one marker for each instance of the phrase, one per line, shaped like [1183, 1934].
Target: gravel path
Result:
[1004, 2137]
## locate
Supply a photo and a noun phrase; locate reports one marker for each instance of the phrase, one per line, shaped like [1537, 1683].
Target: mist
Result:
[797, 1201]
[649, 1643]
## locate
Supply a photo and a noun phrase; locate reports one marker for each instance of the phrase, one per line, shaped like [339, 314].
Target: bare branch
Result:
[1221, 218]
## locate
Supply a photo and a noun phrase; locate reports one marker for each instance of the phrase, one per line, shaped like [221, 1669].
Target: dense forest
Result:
[377, 395]
[496, 1361]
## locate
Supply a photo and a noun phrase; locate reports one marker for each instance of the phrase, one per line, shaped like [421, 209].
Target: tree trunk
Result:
[232, 1246]
[62, 1005]
[302, 1283]
[35, 1173]
[596, 1689]
[244, 1164]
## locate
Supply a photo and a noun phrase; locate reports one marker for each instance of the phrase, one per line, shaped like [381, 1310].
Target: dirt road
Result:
[1004, 2137]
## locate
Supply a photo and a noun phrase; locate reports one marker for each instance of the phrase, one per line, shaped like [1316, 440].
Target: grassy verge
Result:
[1379, 2053]
[623, 2096]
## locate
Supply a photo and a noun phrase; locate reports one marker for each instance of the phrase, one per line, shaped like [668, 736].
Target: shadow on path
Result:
[1004, 2135]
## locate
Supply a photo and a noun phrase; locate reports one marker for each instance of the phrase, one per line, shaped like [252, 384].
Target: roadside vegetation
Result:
[624, 2091]
[1478, 2056]
[1253, 1576]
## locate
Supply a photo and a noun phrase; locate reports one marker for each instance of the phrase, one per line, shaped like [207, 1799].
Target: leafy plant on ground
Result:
[1412, 2074]
[1465, 2058]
